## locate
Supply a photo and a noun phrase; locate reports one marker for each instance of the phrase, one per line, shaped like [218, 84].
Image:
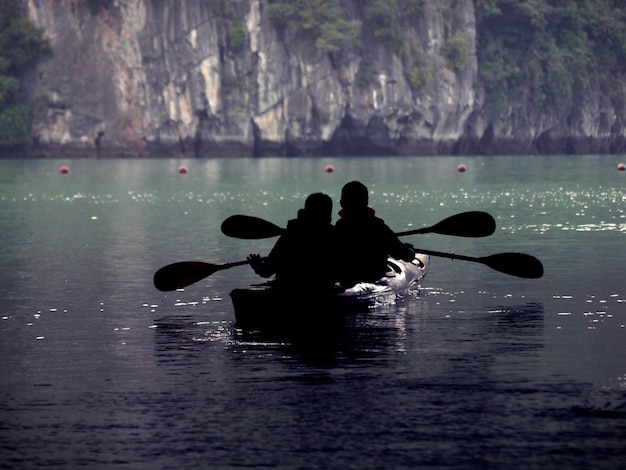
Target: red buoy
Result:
[461, 168]
[329, 169]
[621, 166]
[64, 170]
[182, 169]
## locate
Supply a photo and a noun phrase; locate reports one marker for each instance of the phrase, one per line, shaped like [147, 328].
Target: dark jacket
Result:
[302, 258]
[364, 242]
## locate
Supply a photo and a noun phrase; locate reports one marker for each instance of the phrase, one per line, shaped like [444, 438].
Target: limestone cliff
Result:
[165, 78]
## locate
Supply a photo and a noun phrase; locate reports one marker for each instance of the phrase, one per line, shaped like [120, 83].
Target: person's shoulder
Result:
[380, 226]
[375, 220]
[342, 223]
[293, 225]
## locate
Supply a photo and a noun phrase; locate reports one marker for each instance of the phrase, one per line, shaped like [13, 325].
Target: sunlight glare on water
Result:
[472, 369]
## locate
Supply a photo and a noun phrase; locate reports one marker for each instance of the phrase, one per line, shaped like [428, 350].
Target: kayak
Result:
[265, 306]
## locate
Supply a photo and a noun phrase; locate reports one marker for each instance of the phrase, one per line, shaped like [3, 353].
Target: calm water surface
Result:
[476, 370]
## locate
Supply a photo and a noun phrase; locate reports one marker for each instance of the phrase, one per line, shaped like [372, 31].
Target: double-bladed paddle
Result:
[182, 274]
[472, 224]
[466, 224]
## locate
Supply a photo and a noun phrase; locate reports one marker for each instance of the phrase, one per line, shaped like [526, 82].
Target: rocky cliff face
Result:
[163, 78]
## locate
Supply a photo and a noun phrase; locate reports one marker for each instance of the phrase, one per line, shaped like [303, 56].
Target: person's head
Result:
[354, 195]
[319, 208]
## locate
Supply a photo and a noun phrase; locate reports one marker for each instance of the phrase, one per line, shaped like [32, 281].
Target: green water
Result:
[99, 367]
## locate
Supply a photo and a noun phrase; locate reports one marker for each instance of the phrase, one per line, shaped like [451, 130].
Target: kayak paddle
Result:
[184, 273]
[515, 264]
[466, 224]
[472, 224]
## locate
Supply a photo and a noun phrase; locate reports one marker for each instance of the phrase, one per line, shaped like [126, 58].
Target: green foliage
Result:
[382, 16]
[500, 71]
[41, 103]
[486, 9]
[325, 23]
[413, 7]
[548, 50]
[9, 86]
[21, 45]
[14, 124]
[456, 51]
[337, 35]
[385, 18]
[321, 20]
[419, 76]
[229, 23]
[237, 36]
[237, 110]
[364, 75]
[284, 14]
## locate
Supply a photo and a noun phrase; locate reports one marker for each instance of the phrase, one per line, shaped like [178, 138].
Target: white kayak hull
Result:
[263, 306]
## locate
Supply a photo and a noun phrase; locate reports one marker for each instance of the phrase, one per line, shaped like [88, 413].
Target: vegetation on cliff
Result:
[330, 28]
[21, 45]
[547, 70]
[322, 21]
[552, 52]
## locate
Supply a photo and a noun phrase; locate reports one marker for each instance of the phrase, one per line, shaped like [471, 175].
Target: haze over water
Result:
[476, 370]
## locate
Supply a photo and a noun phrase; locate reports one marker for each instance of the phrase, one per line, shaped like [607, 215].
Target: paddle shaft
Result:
[452, 256]
[234, 264]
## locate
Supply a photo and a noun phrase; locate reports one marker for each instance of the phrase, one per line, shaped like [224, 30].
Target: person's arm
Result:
[398, 249]
[258, 265]
[269, 266]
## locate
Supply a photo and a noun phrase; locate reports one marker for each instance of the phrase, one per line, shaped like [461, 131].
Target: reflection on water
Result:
[371, 338]
[475, 370]
[596, 310]
[360, 335]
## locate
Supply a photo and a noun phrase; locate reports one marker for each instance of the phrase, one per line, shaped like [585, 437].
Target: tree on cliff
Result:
[21, 45]
[550, 51]
[321, 20]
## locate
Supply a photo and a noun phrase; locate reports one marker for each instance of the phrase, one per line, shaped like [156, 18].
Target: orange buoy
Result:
[621, 166]
[182, 169]
[64, 170]
[461, 168]
[329, 169]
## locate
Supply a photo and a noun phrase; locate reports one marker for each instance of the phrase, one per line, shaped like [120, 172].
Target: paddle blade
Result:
[249, 227]
[515, 264]
[474, 224]
[182, 274]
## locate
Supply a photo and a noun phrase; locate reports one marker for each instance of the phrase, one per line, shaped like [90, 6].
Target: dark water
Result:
[478, 370]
